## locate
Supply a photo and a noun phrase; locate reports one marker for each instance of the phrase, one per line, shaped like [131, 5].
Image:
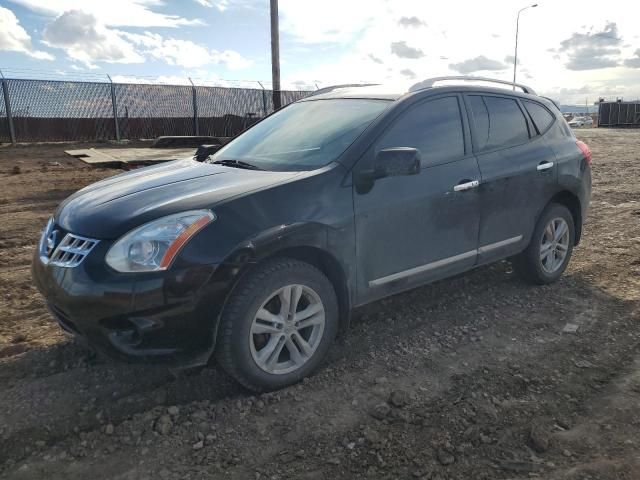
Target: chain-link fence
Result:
[57, 110]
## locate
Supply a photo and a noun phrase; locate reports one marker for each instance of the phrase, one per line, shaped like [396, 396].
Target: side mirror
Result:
[203, 152]
[399, 161]
[390, 162]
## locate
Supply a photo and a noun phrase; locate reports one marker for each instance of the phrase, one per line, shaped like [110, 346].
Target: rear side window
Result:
[433, 127]
[540, 115]
[499, 122]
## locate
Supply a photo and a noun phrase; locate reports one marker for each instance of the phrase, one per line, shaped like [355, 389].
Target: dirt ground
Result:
[476, 377]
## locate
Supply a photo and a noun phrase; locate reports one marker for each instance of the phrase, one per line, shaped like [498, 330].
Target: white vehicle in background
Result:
[580, 121]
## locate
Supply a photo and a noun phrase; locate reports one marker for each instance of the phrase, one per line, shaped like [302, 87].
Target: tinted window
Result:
[433, 127]
[540, 115]
[499, 122]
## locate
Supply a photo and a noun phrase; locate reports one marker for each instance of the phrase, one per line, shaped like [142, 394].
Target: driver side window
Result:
[434, 127]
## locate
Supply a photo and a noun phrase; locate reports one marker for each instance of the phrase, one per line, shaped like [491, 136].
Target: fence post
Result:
[7, 106]
[115, 108]
[196, 126]
[264, 99]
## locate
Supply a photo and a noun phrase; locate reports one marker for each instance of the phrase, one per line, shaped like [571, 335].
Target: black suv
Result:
[259, 253]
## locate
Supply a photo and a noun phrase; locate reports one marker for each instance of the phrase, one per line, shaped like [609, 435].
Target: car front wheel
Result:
[278, 325]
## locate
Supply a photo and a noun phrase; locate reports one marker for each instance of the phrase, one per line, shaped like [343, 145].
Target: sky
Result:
[572, 51]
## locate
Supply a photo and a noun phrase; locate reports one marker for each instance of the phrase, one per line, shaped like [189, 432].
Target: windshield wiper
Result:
[237, 164]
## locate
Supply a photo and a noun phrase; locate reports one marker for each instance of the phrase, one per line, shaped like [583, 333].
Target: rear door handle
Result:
[461, 187]
[544, 166]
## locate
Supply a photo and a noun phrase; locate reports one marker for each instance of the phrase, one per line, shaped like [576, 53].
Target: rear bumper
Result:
[585, 200]
[166, 317]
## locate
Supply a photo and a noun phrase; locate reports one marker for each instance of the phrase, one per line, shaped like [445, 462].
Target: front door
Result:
[412, 229]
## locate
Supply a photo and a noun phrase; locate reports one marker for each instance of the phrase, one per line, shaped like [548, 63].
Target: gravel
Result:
[472, 377]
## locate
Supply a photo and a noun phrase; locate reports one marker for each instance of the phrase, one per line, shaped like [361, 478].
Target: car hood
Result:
[111, 207]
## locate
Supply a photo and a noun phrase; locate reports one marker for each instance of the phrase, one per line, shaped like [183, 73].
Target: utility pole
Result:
[275, 55]
[7, 107]
[194, 103]
[114, 105]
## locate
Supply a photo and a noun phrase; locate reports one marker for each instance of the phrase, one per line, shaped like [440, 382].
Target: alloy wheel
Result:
[287, 329]
[554, 245]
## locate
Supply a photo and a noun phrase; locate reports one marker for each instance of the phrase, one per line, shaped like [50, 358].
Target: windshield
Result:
[302, 136]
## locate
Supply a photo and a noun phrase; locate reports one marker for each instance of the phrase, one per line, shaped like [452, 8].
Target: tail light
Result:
[586, 151]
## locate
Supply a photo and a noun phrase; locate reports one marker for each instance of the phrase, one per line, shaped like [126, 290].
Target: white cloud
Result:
[477, 64]
[402, 50]
[407, 72]
[354, 38]
[200, 78]
[332, 21]
[221, 5]
[86, 41]
[635, 61]
[453, 36]
[14, 38]
[163, 79]
[231, 59]
[185, 53]
[113, 13]
[411, 22]
[592, 51]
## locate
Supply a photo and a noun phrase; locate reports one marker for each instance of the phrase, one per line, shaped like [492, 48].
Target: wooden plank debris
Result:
[129, 157]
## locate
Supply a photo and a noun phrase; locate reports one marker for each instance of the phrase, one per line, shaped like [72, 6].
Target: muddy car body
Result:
[343, 198]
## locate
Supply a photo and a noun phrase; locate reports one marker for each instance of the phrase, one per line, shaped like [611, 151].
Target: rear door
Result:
[518, 173]
[412, 229]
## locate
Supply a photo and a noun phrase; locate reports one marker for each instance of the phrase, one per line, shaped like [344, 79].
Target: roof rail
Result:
[429, 83]
[344, 85]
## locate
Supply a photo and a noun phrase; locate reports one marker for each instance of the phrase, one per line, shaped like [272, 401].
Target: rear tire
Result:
[549, 251]
[277, 325]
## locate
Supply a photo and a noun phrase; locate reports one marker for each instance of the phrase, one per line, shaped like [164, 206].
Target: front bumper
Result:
[168, 317]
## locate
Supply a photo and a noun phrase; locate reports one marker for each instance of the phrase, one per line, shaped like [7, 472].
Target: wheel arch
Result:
[251, 254]
[572, 202]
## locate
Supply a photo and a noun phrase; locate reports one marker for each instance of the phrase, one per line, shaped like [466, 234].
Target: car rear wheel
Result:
[278, 325]
[548, 254]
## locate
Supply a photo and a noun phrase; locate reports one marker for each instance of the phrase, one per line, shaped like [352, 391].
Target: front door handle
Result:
[544, 166]
[461, 187]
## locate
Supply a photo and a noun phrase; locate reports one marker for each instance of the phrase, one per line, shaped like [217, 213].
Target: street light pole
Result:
[275, 55]
[515, 56]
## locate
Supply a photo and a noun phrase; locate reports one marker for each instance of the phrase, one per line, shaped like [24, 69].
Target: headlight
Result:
[45, 247]
[154, 245]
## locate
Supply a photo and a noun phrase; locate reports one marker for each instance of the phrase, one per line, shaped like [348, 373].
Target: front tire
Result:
[277, 325]
[549, 251]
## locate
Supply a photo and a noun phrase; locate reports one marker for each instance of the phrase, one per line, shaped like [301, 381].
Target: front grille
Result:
[72, 250]
[68, 252]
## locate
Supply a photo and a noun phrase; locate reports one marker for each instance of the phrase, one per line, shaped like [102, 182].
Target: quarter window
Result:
[499, 122]
[433, 127]
[540, 115]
